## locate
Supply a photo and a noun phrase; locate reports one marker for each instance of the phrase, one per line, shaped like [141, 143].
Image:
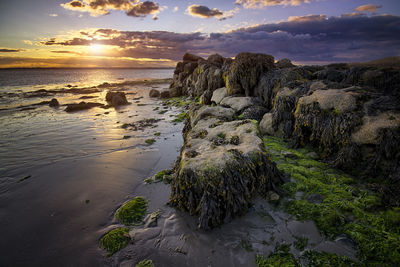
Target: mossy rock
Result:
[145, 263]
[115, 240]
[132, 212]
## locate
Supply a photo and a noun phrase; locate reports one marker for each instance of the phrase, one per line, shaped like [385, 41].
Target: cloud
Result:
[133, 8]
[311, 39]
[206, 12]
[53, 15]
[10, 50]
[176, 9]
[264, 3]
[307, 18]
[143, 9]
[66, 52]
[28, 42]
[368, 8]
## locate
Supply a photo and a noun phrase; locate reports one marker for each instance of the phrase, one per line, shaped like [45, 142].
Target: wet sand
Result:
[56, 216]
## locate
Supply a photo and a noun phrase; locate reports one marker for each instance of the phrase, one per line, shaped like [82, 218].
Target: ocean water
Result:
[62, 175]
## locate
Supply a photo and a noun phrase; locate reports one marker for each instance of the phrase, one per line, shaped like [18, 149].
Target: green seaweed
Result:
[150, 141]
[346, 207]
[314, 258]
[145, 263]
[280, 257]
[157, 134]
[115, 240]
[300, 243]
[180, 117]
[132, 212]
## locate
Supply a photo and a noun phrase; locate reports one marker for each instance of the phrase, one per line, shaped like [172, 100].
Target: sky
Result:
[137, 33]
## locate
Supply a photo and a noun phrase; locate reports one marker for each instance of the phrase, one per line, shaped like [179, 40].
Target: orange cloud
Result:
[368, 8]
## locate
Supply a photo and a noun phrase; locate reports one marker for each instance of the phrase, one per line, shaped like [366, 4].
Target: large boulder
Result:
[219, 94]
[240, 103]
[266, 125]
[191, 57]
[216, 59]
[245, 72]
[221, 168]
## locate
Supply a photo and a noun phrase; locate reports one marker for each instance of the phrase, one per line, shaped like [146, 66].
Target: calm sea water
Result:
[37, 77]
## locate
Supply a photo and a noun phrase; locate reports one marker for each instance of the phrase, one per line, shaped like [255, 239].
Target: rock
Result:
[116, 98]
[368, 132]
[154, 93]
[175, 91]
[82, 106]
[266, 125]
[219, 94]
[317, 85]
[284, 63]
[315, 198]
[229, 169]
[191, 57]
[54, 103]
[288, 154]
[218, 112]
[312, 155]
[205, 98]
[254, 113]
[246, 71]
[336, 99]
[164, 94]
[216, 59]
[240, 103]
[272, 196]
[151, 219]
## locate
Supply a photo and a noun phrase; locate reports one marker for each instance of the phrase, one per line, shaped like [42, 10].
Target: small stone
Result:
[312, 155]
[151, 219]
[288, 154]
[315, 198]
[154, 93]
[272, 196]
[54, 103]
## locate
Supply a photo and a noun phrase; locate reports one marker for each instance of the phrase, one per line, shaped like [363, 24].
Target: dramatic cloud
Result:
[66, 52]
[143, 9]
[206, 12]
[10, 50]
[264, 3]
[368, 8]
[308, 39]
[134, 8]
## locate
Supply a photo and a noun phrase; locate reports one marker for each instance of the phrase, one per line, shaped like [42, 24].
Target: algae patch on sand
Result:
[132, 212]
[115, 240]
[145, 263]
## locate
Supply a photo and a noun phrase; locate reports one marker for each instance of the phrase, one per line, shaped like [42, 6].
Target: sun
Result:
[96, 48]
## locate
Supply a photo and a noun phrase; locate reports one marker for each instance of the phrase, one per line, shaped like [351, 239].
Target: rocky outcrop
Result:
[54, 103]
[82, 106]
[349, 112]
[222, 166]
[116, 98]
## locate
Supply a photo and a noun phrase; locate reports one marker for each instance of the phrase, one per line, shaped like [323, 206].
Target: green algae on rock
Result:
[344, 207]
[230, 166]
[115, 240]
[145, 263]
[132, 212]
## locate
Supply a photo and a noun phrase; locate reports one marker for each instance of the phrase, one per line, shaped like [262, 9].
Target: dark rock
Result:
[116, 98]
[154, 93]
[191, 57]
[254, 113]
[216, 59]
[245, 72]
[54, 103]
[164, 94]
[284, 63]
[205, 98]
[82, 106]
